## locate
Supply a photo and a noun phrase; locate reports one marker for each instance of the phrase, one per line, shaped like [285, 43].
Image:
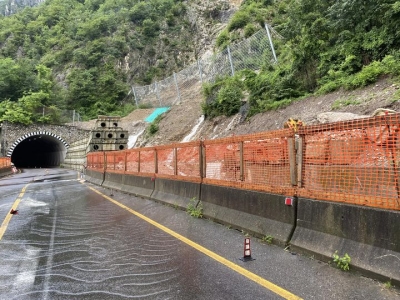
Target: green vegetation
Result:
[388, 284]
[92, 52]
[345, 102]
[85, 55]
[267, 239]
[326, 45]
[154, 126]
[223, 97]
[195, 208]
[342, 262]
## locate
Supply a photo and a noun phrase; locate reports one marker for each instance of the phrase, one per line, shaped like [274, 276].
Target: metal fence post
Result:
[299, 159]
[175, 161]
[157, 93]
[155, 161]
[241, 162]
[270, 42]
[177, 88]
[138, 166]
[292, 160]
[230, 61]
[200, 72]
[134, 95]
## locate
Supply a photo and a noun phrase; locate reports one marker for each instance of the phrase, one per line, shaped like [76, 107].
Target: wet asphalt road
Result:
[69, 242]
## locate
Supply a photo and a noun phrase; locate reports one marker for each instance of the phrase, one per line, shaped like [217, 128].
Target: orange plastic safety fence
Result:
[188, 160]
[115, 161]
[354, 162]
[147, 161]
[132, 161]
[166, 161]
[5, 162]
[255, 161]
[95, 161]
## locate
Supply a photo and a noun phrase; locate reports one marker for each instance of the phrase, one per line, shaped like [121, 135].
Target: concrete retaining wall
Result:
[258, 213]
[176, 193]
[371, 237]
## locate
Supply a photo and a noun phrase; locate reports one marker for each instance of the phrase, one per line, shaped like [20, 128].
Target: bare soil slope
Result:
[179, 121]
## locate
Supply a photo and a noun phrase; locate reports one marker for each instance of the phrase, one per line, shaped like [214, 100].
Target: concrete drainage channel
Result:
[370, 236]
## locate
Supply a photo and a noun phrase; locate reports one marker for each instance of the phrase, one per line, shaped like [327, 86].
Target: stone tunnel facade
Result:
[12, 134]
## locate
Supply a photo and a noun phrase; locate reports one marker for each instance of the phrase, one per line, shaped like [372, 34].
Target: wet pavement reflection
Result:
[68, 242]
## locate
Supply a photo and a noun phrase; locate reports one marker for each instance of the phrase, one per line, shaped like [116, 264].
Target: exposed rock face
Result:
[9, 7]
[209, 18]
[329, 117]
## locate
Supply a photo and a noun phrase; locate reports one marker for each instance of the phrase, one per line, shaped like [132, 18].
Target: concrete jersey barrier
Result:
[176, 193]
[258, 213]
[371, 237]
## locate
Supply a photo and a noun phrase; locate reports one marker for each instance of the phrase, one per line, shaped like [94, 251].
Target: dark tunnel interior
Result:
[39, 151]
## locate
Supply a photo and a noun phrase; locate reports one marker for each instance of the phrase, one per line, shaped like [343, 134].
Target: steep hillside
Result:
[184, 120]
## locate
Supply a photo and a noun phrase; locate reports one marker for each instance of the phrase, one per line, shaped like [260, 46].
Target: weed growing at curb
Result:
[193, 209]
[388, 284]
[342, 262]
[267, 239]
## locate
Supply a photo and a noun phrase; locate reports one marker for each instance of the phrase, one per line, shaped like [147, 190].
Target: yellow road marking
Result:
[4, 225]
[261, 281]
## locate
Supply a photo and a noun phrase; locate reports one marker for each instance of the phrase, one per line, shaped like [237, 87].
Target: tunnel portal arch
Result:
[38, 149]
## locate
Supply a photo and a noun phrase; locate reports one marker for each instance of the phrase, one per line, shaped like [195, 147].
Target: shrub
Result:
[224, 97]
[154, 126]
[222, 40]
[391, 65]
[329, 87]
[249, 30]
[239, 20]
[369, 74]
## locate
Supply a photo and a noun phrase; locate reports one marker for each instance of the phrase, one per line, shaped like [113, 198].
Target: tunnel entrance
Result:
[39, 151]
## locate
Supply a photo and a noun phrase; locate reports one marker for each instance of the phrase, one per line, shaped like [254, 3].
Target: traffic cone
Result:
[247, 251]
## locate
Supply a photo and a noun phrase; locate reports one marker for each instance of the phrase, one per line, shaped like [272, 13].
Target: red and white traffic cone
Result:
[247, 251]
